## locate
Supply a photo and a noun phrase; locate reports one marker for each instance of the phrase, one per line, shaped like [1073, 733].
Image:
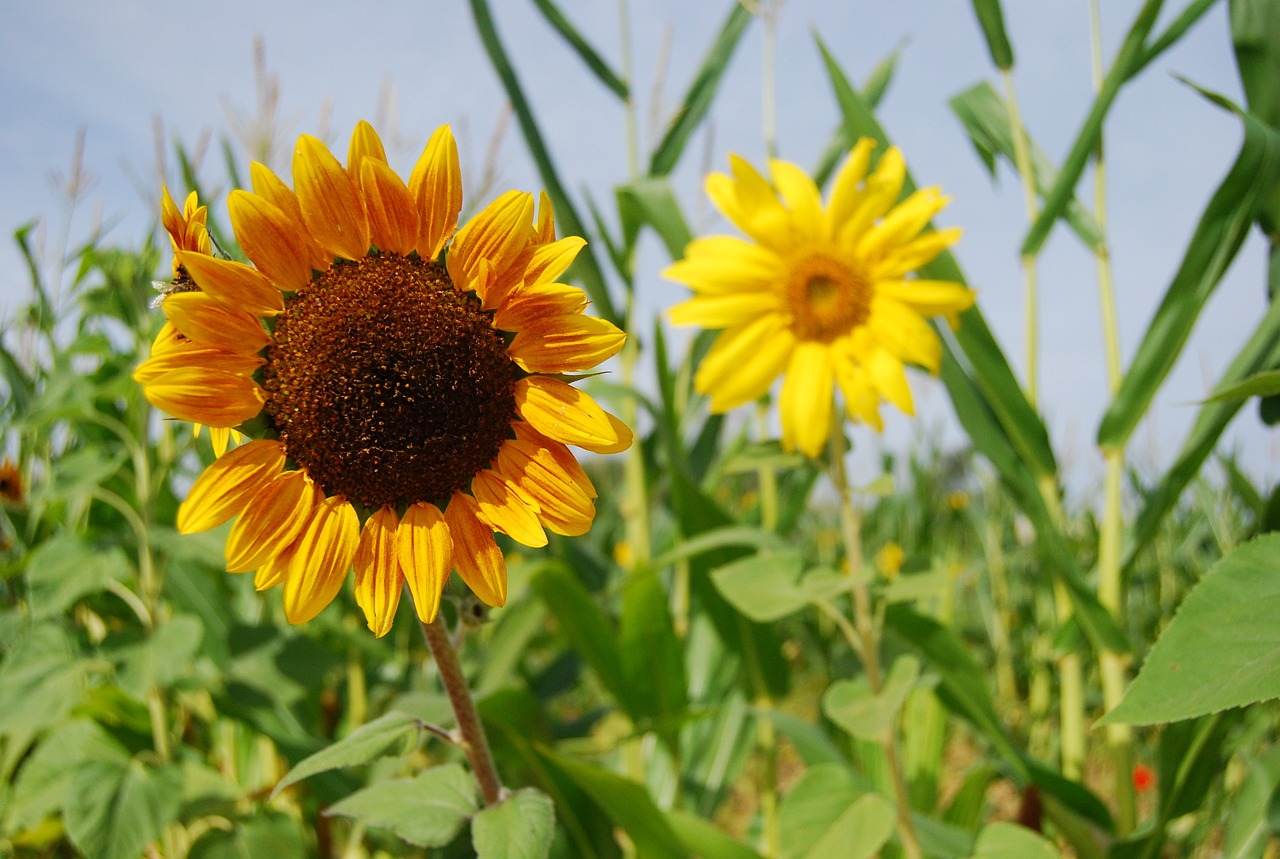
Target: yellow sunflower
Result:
[11, 489]
[823, 296]
[405, 384]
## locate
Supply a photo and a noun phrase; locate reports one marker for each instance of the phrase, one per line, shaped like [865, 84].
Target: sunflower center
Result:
[387, 384]
[827, 297]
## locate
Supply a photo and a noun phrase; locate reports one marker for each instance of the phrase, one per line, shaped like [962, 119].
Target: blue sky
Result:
[116, 69]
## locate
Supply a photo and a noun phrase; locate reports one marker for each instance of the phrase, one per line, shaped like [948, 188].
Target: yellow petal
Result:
[320, 563]
[550, 260]
[906, 258]
[903, 223]
[888, 377]
[904, 333]
[498, 235]
[845, 193]
[743, 362]
[211, 397]
[545, 228]
[562, 412]
[436, 186]
[236, 285]
[275, 243]
[565, 344]
[860, 399]
[508, 508]
[805, 403]
[228, 485]
[563, 506]
[378, 576]
[365, 143]
[272, 188]
[750, 202]
[727, 310]
[330, 200]
[476, 555]
[802, 197]
[562, 455]
[927, 297]
[212, 324]
[531, 302]
[393, 218]
[272, 522]
[620, 429]
[883, 188]
[425, 547]
[722, 264]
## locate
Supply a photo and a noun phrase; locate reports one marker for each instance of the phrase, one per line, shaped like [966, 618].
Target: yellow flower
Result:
[889, 560]
[410, 402]
[820, 295]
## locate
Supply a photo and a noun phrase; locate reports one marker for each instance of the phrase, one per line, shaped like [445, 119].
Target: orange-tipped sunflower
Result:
[822, 296]
[409, 402]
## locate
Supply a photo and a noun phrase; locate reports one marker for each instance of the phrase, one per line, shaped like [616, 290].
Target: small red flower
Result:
[1143, 778]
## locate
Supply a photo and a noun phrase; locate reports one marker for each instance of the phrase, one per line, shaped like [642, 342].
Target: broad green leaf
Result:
[991, 19]
[41, 680]
[697, 100]
[1258, 385]
[1217, 238]
[45, 777]
[763, 586]
[651, 201]
[865, 714]
[588, 54]
[391, 731]
[65, 568]
[826, 814]
[115, 808]
[626, 802]
[652, 655]
[1011, 841]
[908, 587]
[986, 119]
[860, 830]
[730, 536]
[705, 838]
[1222, 648]
[427, 810]
[585, 266]
[522, 826]
[823, 583]
[267, 833]
[162, 658]
[1086, 143]
[586, 627]
[1246, 829]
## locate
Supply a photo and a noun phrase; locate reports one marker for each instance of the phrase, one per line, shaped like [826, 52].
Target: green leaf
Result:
[626, 802]
[588, 54]
[41, 680]
[1255, 35]
[763, 586]
[427, 810]
[867, 715]
[652, 656]
[1011, 841]
[65, 568]
[522, 826]
[705, 838]
[392, 730]
[697, 100]
[826, 814]
[992, 21]
[267, 833]
[651, 201]
[1258, 385]
[588, 630]
[1217, 238]
[1086, 142]
[842, 140]
[161, 659]
[730, 536]
[115, 808]
[43, 782]
[1222, 648]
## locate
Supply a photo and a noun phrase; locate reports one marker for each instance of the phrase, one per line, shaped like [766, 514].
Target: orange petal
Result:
[229, 484]
[320, 563]
[210, 397]
[236, 285]
[550, 260]
[210, 323]
[562, 412]
[621, 430]
[476, 555]
[508, 508]
[527, 304]
[426, 554]
[378, 577]
[271, 188]
[436, 186]
[330, 199]
[565, 344]
[393, 219]
[272, 522]
[563, 456]
[276, 244]
[365, 143]
[498, 235]
[563, 506]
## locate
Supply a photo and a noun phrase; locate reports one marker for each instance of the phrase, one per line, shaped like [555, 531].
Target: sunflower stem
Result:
[474, 742]
[867, 626]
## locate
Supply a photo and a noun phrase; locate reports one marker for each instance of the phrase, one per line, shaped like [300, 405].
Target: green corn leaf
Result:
[984, 116]
[991, 18]
[705, 838]
[1217, 238]
[1262, 350]
[1193, 12]
[588, 54]
[1263, 384]
[841, 139]
[1220, 650]
[697, 100]
[652, 202]
[1255, 35]
[1086, 142]
[652, 656]
[586, 266]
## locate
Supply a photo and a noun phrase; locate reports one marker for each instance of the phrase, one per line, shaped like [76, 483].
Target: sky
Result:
[115, 73]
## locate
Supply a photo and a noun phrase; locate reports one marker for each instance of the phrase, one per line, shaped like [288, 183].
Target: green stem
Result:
[472, 738]
[1022, 160]
[867, 631]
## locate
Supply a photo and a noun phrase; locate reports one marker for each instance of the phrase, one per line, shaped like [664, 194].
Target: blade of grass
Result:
[991, 18]
[586, 266]
[588, 54]
[841, 139]
[697, 101]
[1217, 238]
[1190, 15]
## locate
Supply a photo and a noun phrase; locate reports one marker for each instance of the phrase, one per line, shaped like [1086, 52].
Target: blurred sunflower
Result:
[821, 296]
[407, 402]
[11, 489]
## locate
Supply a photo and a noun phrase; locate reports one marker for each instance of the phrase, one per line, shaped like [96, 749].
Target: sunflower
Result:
[11, 490]
[408, 389]
[820, 295]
